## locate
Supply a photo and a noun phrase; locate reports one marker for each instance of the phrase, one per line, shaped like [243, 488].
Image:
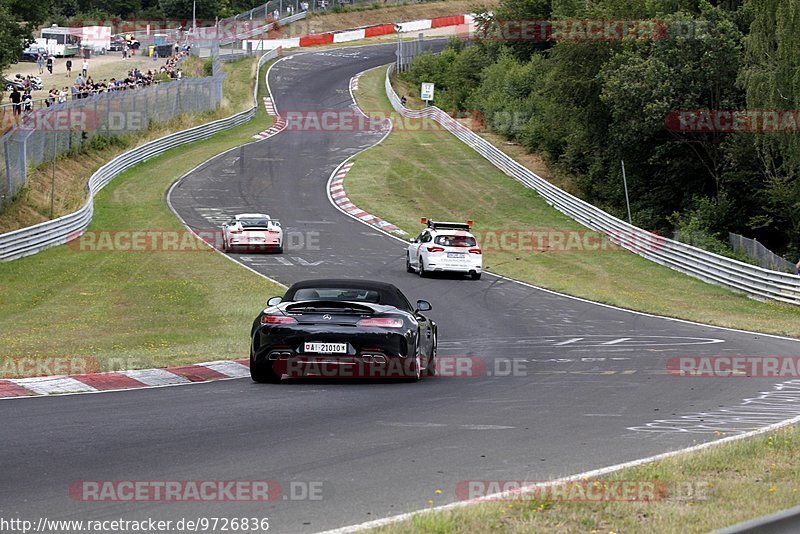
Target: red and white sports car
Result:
[251, 232]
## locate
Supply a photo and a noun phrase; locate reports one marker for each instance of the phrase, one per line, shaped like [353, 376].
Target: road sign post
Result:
[426, 93]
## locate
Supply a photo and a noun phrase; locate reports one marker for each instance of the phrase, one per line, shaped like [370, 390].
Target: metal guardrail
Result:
[750, 279]
[262, 29]
[33, 239]
[785, 522]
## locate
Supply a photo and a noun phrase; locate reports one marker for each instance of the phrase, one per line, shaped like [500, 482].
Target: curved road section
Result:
[564, 386]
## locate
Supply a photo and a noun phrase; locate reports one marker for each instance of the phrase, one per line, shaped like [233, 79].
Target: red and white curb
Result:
[467, 21]
[120, 380]
[277, 127]
[354, 81]
[340, 198]
[269, 106]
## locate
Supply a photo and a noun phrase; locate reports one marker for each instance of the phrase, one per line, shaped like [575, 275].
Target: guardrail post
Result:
[23, 161]
[9, 192]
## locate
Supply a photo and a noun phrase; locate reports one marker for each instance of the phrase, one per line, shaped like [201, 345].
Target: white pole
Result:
[625, 183]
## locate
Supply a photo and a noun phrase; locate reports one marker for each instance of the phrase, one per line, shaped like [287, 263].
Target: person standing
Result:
[69, 67]
[27, 101]
[85, 67]
[62, 95]
[16, 98]
[50, 64]
[40, 63]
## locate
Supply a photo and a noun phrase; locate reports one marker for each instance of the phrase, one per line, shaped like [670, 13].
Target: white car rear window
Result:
[455, 241]
[258, 223]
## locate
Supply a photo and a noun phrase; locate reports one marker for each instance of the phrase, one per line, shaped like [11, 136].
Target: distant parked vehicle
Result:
[32, 54]
[19, 82]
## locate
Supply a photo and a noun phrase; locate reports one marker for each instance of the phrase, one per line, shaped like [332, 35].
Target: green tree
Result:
[18, 19]
[771, 79]
[182, 9]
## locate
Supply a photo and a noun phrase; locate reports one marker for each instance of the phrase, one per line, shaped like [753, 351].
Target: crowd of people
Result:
[84, 85]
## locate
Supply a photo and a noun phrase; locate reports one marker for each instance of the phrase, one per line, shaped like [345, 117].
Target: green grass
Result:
[696, 492]
[429, 172]
[136, 309]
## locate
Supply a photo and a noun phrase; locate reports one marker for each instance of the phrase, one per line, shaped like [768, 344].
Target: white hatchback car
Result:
[445, 247]
[252, 232]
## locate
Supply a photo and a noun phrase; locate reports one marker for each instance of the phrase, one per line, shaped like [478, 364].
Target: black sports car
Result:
[343, 329]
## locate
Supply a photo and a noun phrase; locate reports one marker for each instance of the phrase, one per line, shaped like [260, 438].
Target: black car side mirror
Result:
[274, 301]
[423, 305]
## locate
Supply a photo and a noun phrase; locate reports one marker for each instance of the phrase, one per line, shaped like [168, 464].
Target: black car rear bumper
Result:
[377, 354]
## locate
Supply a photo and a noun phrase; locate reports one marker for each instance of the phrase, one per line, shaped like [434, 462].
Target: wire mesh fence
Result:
[41, 135]
[764, 256]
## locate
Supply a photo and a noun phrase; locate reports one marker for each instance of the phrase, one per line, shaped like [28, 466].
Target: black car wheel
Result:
[430, 369]
[475, 276]
[263, 373]
[422, 272]
[409, 269]
[415, 372]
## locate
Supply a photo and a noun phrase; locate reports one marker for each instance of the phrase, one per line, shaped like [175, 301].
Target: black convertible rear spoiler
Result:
[332, 305]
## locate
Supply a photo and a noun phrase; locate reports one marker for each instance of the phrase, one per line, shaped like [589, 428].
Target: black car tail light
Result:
[382, 322]
[277, 319]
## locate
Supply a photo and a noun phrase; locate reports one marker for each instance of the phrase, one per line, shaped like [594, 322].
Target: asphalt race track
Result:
[589, 381]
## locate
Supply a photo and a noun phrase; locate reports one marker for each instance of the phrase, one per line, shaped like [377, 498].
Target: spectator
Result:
[51, 97]
[69, 67]
[40, 63]
[62, 95]
[125, 51]
[403, 100]
[16, 98]
[797, 268]
[50, 64]
[27, 101]
[85, 68]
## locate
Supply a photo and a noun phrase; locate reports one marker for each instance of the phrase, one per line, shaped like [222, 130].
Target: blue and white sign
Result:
[427, 91]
